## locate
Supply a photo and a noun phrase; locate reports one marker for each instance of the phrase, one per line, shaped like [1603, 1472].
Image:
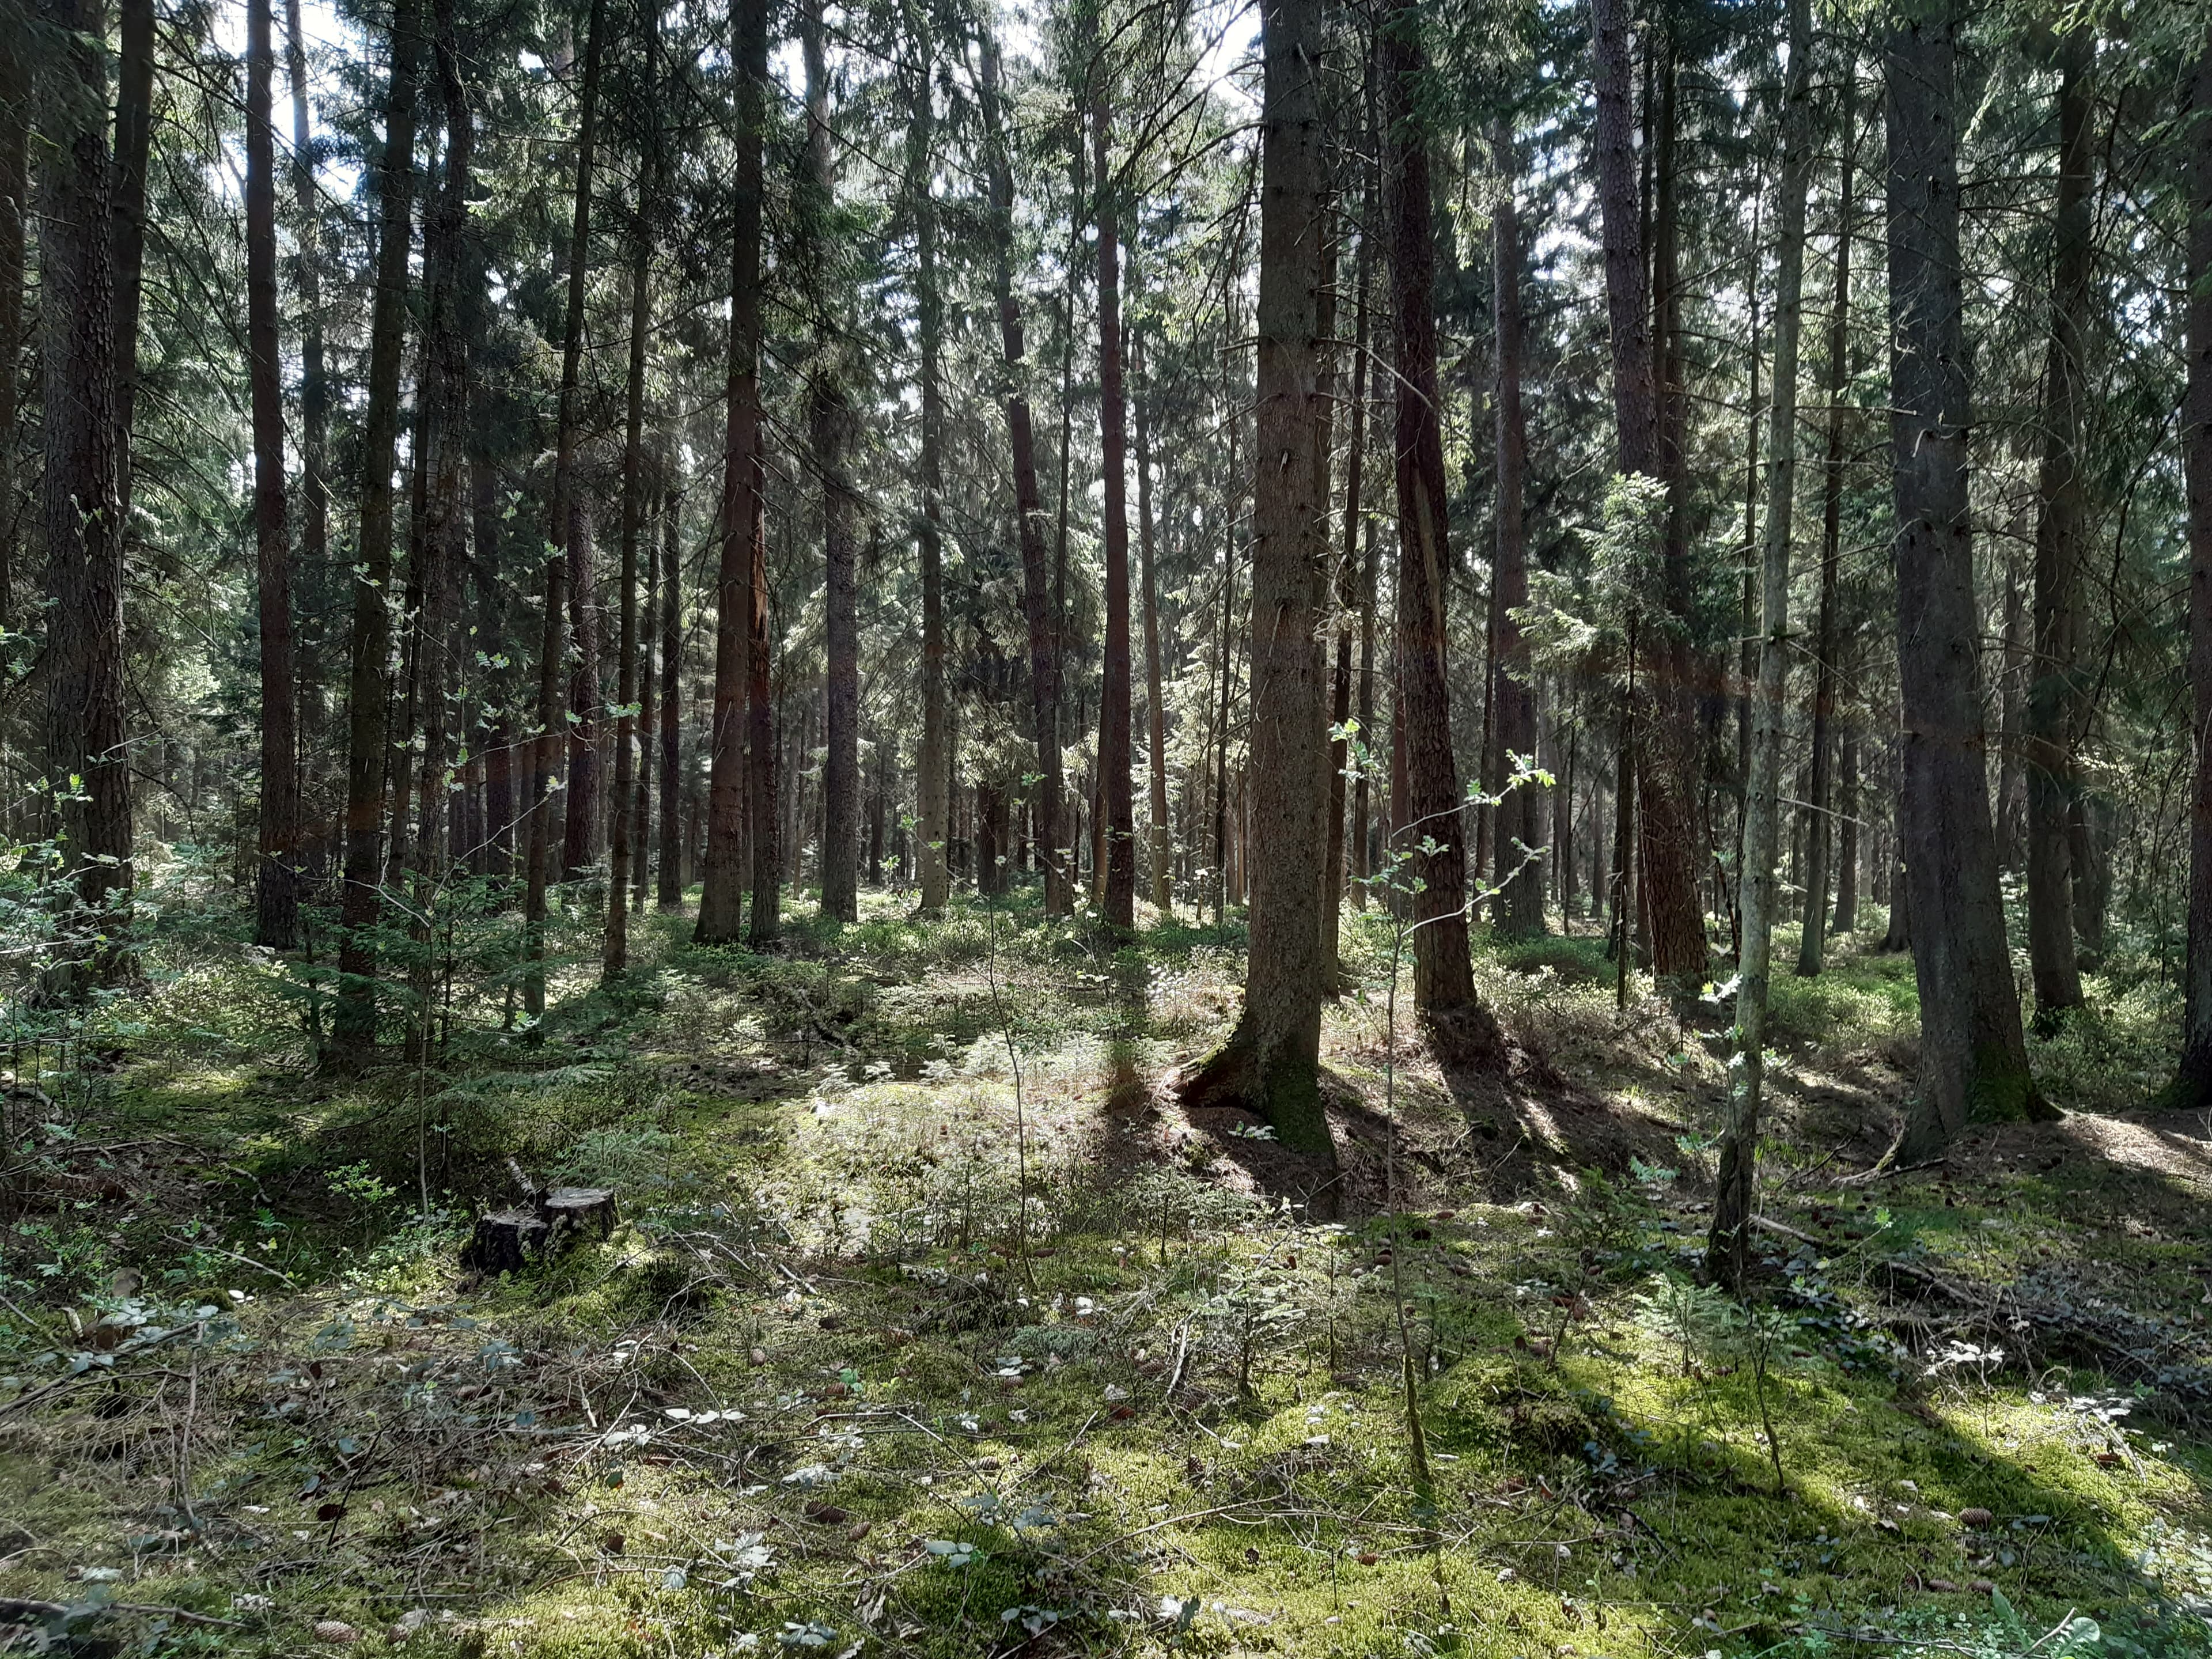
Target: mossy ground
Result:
[911, 1344]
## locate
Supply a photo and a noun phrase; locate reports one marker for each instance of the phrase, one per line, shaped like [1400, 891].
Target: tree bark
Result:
[668, 893]
[354, 1022]
[933, 786]
[1847, 834]
[1820, 821]
[561, 539]
[628, 804]
[2055, 692]
[1156, 713]
[580, 843]
[830, 434]
[1350, 600]
[134, 139]
[15, 187]
[1117, 813]
[729, 787]
[649, 693]
[1460, 1028]
[442, 543]
[314, 379]
[497, 834]
[277, 902]
[1518, 909]
[83, 508]
[2192, 1083]
[1271, 1062]
[1666, 745]
[1048, 797]
[764, 836]
[1735, 1197]
[1973, 1063]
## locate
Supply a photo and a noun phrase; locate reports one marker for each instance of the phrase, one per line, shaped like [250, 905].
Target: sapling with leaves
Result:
[1397, 879]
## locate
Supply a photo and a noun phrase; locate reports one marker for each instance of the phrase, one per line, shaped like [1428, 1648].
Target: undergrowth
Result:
[863, 1370]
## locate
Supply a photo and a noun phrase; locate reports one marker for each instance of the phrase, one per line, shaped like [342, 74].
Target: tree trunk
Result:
[442, 545]
[933, 799]
[1271, 1062]
[1973, 1064]
[830, 425]
[765, 839]
[2055, 692]
[2193, 1084]
[314, 380]
[83, 510]
[1117, 813]
[134, 138]
[1666, 749]
[15, 106]
[1820, 822]
[1156, 713]
[561, 535]
[1847, 834]
[1362, 829]
[628, 804]
[1897, 935]
[2012, 782]
[1460, 1027]
[579, 844]
[1351, 599]
[649, 694]
[1735, 1198]
[729, 808]
[354, 1024]
[669, 891]
[277, 900]
[1226, 666]
[1047, 797]
[1518, 910]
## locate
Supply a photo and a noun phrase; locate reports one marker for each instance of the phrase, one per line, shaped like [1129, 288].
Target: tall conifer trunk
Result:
[353, 1025]
[729, 810]
[14, 201]
[831, 425]
[625, 832]
[1728, 1252]
[1156, 713]
[442, 540]
[134, 141]
[2192, 1085]
[1519, 907]
[83, 507]
[1048, 800]
[1443, 974]
[1973, 1063]
[763, 727]
[1665, 747]
[1116, 818]
[932, 784]
[668, 892]
[276, 903]
[2056, 695]
[1352, 600]
[1271, 1062]
[1820, 823]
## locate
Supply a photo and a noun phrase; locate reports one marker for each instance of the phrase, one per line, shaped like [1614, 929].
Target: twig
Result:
[16, 1606]
[1882, 1173]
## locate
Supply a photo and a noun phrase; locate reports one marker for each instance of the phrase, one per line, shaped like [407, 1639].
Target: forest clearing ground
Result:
[840, 1382]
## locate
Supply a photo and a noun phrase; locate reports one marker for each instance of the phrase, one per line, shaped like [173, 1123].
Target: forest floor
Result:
[908, 1342]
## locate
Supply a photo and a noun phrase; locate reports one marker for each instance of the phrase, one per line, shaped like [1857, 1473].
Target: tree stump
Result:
[569, 1211]
[505, 1242]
